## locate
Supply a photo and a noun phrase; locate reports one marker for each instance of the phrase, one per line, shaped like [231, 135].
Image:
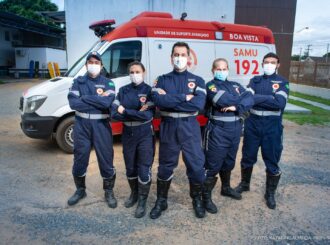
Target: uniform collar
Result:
[183, 73]
[96, 79]
[219, 81]
[137, 86]
[270, 76]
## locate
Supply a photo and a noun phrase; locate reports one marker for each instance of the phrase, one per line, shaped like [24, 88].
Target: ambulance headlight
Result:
[34, 102]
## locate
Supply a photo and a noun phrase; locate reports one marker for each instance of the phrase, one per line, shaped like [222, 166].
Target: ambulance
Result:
[148, 37]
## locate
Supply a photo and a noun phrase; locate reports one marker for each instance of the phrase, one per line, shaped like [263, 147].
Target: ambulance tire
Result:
[64, 135]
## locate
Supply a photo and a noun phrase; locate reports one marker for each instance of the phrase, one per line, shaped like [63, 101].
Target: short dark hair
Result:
[271, 55]
[136, 63]
[181, 44]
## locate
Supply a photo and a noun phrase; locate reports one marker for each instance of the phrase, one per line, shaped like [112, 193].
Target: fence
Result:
[310, 73]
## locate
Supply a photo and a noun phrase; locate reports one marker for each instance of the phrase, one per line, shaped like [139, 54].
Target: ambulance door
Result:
[244, 59]
[159, 58]
[201, 57]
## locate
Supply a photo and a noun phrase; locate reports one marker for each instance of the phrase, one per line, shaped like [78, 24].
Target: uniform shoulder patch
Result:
[212, 87]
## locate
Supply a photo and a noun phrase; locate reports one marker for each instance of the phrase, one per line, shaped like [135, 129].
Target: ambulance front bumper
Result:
[37, 127]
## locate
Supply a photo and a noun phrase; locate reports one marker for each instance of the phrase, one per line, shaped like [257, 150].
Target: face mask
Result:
[94, 69]
[180, 62]
[269, 69]
[136, 78]
[221, 75]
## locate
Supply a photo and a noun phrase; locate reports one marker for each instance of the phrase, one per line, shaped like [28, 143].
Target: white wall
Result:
[7, 53]
[58, 56]
[23, 56]
[81, 13]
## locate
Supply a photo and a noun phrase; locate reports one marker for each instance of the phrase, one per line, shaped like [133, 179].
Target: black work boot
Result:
[133, 184]
[161, 203]
[245, 180]
[226, 190]
[207, 195]
[108, 185]
[271, 186]
[142, 199]
[80, 192]
[196, 196]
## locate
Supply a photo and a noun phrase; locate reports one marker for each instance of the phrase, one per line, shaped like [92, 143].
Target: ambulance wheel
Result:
[64, 135]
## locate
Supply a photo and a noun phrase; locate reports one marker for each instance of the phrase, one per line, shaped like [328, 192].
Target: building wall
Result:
[277, 15]
[81, 13]
[7, 51]
[43, 55]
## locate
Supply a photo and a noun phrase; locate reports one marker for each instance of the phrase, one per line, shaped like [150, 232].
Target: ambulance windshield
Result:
[81, 62]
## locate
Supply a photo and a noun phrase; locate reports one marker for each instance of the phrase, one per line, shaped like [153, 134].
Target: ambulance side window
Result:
[119, 55]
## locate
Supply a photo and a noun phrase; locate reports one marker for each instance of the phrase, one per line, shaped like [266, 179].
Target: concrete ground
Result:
[317, 104]
[311, 90]
[35, 183]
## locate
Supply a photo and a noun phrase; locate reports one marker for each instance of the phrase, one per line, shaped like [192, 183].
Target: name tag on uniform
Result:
[99, 86]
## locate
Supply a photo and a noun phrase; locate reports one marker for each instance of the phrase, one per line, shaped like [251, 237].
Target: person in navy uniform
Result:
[264, 127]
[179, 95]
[227, 103]
[91, 97]
[133, 106]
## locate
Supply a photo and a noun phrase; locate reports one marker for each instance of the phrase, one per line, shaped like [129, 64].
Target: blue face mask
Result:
[221, 75]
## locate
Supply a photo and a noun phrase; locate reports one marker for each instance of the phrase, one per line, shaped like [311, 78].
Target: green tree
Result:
[328, 54]
[29, 9]
[295, 57]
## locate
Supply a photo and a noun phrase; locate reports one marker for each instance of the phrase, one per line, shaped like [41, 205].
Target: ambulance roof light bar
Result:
[154, 15]
[183, 16]
[102, 27]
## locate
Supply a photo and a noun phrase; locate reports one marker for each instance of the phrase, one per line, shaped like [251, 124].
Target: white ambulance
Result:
[148, 38]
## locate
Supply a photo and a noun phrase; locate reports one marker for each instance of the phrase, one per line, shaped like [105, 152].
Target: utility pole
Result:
[308, 49]
[300, 54]
[327, 54]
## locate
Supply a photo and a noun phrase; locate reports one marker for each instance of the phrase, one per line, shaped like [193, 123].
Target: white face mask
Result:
[269, 69]
[136, 78]
[180, 62]
[94, 69]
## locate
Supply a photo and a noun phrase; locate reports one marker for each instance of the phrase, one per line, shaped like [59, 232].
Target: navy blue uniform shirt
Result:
[92, 95]
[270, 92]
[177, 85]
[132, 98]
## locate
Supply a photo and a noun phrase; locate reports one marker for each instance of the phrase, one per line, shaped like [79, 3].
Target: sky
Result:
[314, 14]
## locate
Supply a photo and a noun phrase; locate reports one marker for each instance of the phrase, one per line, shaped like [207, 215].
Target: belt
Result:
[136, 123]
[92, 116]
[225, 119]
[178, 114]
[265, 113]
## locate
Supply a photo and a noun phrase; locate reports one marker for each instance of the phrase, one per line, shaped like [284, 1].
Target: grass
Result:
[318, 115]
[310, 97]
[2, 82]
